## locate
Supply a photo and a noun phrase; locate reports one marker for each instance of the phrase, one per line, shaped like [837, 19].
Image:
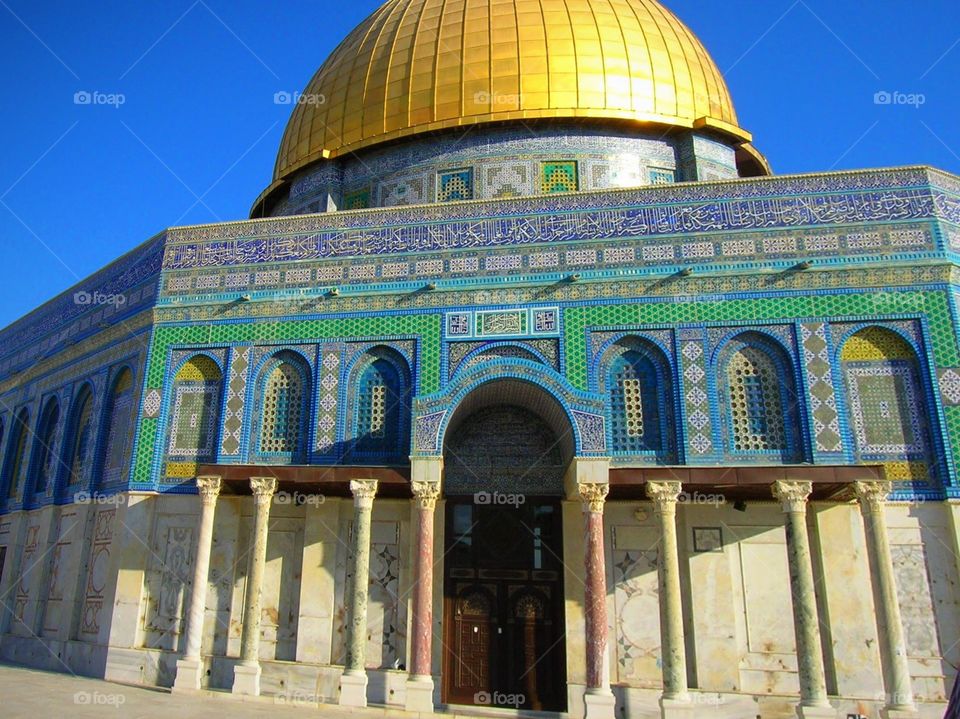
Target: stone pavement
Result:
[34, 694]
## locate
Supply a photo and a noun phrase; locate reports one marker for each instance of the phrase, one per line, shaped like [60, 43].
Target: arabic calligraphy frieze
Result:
[637, 222]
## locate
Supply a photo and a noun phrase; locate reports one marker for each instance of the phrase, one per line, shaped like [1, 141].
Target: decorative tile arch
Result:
[195, 398]
[77, 449]
[584, 410]
[886, 402]
[379, 391]
[281, 409]
[760, 407]
[116, 430]
[15, 462]
[636, 378]
[44, 463]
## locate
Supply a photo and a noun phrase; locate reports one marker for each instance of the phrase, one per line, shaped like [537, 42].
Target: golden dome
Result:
[420, 65]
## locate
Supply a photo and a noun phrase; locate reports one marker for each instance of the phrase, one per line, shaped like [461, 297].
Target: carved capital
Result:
[363, 491]
[872, 494]
[664, 495]
[593, 495]
[208, 487]
[792, 495]
[263, 489]
[426, 493]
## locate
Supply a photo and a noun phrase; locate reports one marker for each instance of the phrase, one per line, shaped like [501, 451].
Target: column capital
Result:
[593, 495]
[872, 493]
[425, 492]
[263, 489]
[792, 495]
[363, 491]
[208, 487]
[664, 494]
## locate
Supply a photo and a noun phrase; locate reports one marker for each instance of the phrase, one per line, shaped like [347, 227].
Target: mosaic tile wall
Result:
[500, 162]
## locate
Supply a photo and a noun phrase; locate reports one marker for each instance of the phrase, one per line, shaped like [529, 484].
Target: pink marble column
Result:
[425, 495]
[598, 700]
[420, 679]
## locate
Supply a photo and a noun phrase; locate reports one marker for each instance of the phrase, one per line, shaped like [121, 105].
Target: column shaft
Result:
[595, 587]
[263, 489]
[674, 655]
[189, 667]
[813, 686]
[209, 488]
[872, 496]
[363, 492]
[425, 496]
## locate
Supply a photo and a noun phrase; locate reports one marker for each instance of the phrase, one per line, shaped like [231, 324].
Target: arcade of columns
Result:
[591, 488]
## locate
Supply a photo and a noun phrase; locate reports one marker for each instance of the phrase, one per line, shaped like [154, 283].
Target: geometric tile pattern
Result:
[455, 185]
[950, 386]
[558, 177]
[326, 432]
[234, 406]
[820, 387]
[696, 394]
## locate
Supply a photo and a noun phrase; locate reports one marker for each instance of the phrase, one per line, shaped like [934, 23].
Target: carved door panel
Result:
[474, 622]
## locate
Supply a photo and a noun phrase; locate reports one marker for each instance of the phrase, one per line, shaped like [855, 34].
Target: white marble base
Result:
[677, 709]
[246, 680]
[600, 705]
[899, 714]
[419, 694]
[827, 712]
[353, 690]
[189, 675]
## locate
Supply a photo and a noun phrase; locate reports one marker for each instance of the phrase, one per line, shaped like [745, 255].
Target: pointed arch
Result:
[761, 408]
[380, 387]
[638, 383]
[44, 455]
[15, 466]
[281, 406]
[116, 430]
[79, 439]
[195, 408]
[885, 403]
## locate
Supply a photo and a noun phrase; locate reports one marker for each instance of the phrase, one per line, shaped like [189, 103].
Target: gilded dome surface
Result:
[419, 65]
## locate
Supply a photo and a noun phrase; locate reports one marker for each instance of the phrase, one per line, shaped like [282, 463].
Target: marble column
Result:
[420, 681]
[353, 682]
[246, 675]
[598, 700]
[675, 701]
[792, 496]
[872, 496]
[190, 667]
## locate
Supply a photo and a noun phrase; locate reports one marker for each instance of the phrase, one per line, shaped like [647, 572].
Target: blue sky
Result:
[195, 138]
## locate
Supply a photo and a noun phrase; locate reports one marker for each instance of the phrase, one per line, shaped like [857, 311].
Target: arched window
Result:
[284, 390]
[762, 414]
[885, 402]
[196, 406]
[16, 464]
[44, 454]
[381, 414]
[638, 384]
[118, 427]
[79, 438]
